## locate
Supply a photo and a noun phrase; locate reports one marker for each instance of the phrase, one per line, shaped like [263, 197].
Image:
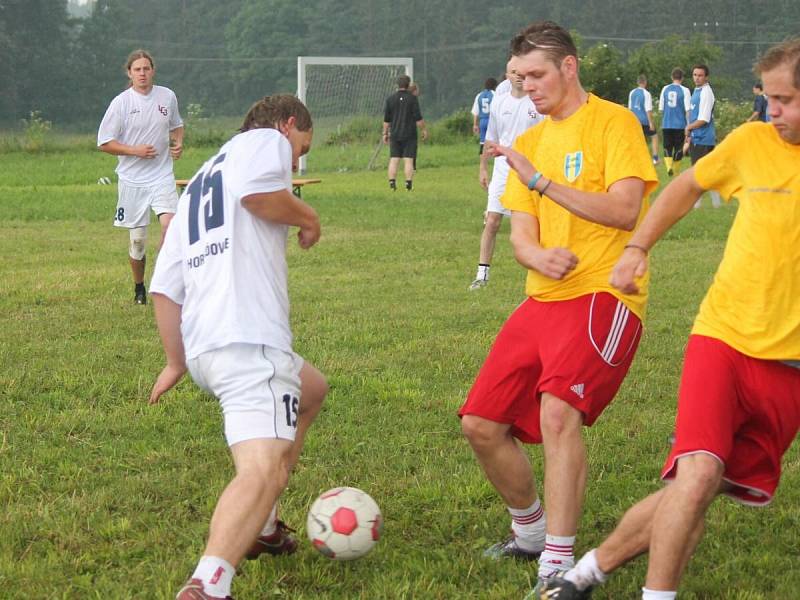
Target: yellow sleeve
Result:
[517, 195]
[717, 170]
[627, 153]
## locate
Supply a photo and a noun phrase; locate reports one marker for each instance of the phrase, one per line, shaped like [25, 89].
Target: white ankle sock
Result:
[557, 556]
[216, 574]
[657, 595]
[483, 272]
[586, 573]
[270, 525]
[528, 525]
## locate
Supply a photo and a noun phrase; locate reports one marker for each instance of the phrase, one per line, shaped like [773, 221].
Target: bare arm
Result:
[424, 128]
[555, 263]
[117, 149]
[168, 320]
[285, 208]
[618, 207]
[672, 205]
[176, 142]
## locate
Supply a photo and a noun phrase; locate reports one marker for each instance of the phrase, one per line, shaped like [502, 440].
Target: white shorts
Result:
[134, 202]
[497, 187]
[258, 388]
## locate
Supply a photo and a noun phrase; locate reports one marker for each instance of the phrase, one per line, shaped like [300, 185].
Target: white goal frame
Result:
[305, 61]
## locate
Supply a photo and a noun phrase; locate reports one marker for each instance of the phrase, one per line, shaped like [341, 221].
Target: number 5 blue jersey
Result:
[674, 103]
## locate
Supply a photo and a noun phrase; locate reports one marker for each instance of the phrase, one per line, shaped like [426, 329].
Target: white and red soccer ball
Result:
[344, 523]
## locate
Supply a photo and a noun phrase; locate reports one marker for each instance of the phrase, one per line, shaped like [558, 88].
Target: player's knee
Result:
[479, 431]
[700, 477]
[493, 222]
[557, 417]
[138, 243]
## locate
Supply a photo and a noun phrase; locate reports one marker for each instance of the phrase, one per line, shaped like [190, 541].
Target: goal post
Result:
[337, 89]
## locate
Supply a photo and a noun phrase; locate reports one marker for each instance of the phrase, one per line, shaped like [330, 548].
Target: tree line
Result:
[223, 55]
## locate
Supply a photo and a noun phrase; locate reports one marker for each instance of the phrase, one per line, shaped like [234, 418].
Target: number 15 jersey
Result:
[226, 267]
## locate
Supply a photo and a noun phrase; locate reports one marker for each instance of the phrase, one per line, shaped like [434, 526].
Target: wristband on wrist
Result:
[642, 248]
[534, 180]
[546, 185]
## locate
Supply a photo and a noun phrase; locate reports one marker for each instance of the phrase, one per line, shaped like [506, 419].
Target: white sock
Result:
[716, 199]
[528, 525]
[656, 595]
[483, 272]
[557, 556]
[270, 526]
[216, 574]
[586, 573]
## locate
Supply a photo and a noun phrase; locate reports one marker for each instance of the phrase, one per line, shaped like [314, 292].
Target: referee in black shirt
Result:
[401, 117]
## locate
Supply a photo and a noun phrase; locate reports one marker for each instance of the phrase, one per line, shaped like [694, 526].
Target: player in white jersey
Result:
[222, 308]
[143, 128]
[504, 87]
[509, 115]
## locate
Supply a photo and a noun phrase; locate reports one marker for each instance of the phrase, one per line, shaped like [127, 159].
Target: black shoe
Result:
[392, 185]
[408, 185]
[669, 172]
[558, 588]
[508, 549]
[140, 295]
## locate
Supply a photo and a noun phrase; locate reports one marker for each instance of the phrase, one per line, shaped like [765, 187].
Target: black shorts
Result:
[698, 152]
[403, 148]
[647, 131]
[673, 142]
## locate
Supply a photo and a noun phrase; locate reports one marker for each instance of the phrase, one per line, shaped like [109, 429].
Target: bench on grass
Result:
[297, 184]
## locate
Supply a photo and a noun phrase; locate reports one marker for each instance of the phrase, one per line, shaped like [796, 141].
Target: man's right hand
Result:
[483, 178]
[144, 151]
[309, 235]
[555, 263]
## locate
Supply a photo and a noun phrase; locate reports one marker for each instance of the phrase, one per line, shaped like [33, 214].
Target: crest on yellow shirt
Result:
[573, 163]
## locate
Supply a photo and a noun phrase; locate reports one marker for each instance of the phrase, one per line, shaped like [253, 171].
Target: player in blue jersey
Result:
[674, 104]
[700, 132]
[759, 104]
[640, 101]
[480, 110]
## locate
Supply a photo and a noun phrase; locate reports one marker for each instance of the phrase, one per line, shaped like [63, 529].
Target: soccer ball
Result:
[344, 523]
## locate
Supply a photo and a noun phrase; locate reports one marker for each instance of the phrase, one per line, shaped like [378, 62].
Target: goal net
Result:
[342, 92]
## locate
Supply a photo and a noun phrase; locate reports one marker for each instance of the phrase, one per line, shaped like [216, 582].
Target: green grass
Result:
[103, 496]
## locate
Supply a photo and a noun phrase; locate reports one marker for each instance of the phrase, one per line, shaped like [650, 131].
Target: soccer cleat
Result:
[392, 185]
[408, 185]
[193, 590]
[557, 588]
[508, 548]
[478, 284]
[140, 296]
[276, 544]
[670, 172]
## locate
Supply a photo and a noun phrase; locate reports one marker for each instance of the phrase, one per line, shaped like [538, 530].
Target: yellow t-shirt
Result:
[753, 305]
[591, 149]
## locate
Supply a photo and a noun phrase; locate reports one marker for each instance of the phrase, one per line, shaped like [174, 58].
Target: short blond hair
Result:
[787, 52]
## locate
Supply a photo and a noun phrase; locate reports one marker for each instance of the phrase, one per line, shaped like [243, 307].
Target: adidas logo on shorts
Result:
[578, 389]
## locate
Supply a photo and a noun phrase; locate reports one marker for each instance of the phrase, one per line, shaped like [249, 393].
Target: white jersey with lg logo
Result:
[133, 119]
[225, 266]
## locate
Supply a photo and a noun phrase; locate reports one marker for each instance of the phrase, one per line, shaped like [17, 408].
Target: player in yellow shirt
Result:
[562, 355]
[739, 399]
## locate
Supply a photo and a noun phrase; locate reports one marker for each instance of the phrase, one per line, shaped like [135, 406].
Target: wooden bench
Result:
[297, 184]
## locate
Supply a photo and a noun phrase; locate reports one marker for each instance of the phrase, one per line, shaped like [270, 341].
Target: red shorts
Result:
[742, 410]
[579, 350]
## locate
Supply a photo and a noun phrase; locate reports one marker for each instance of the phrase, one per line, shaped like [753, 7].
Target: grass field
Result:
[103, 496]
